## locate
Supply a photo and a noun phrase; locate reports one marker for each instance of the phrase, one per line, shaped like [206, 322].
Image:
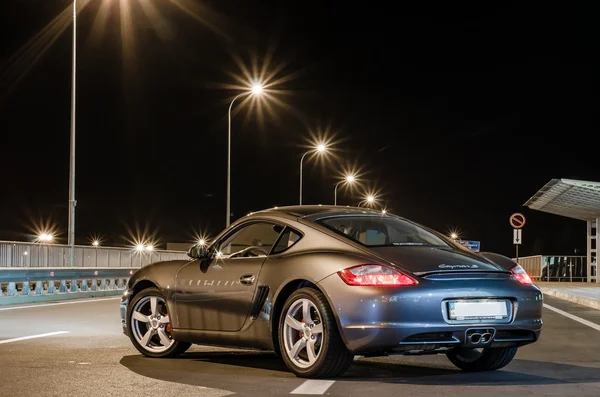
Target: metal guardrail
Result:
[32, 270]
[19, 254]
[48, 281]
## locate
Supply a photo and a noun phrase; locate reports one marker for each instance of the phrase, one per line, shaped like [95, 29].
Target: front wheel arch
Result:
[175, 348]
[140, 286]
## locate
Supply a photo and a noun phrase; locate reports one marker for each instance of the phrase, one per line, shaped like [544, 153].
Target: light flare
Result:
[261, 84]
[454, 233]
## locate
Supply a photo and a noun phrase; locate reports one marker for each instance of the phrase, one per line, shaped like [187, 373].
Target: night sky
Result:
[457, 115]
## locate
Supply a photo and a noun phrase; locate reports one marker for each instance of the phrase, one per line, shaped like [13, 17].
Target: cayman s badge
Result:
[444, 266]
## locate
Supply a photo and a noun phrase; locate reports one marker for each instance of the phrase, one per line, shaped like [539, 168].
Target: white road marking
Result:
[56, 304]
[572, 317]
[313, 387]
[33, 337]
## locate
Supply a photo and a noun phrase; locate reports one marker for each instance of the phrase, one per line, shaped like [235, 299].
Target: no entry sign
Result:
[517, 220]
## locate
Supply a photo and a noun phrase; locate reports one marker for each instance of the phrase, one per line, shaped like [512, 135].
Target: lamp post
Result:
[349, 179]
[256, 89]
[369, 199]
[72, 202]
[320, 148]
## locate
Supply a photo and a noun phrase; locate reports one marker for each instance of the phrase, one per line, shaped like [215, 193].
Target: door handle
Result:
[248, 279]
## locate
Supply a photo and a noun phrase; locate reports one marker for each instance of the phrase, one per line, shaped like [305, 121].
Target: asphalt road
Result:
[91, 357]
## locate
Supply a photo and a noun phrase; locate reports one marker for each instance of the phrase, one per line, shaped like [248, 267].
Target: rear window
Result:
[381, 231]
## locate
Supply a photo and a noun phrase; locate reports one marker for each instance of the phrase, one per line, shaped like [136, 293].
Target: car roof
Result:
[303, 211]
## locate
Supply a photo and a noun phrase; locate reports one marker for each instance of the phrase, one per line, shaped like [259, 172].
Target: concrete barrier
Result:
[588, 296]
[16, 283]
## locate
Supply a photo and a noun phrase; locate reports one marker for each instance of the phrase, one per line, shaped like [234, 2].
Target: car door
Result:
[217, 295]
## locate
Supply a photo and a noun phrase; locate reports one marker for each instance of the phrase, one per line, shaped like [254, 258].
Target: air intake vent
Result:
[261, 295]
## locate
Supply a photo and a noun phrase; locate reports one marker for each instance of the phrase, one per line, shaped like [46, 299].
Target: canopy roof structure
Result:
[568, 197]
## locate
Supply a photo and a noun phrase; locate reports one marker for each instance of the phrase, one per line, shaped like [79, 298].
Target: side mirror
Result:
[198, 252]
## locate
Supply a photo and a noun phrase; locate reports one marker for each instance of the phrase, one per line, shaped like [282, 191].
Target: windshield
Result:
[379, 231]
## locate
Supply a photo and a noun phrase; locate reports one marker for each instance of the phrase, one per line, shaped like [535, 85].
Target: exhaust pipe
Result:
[479, 336]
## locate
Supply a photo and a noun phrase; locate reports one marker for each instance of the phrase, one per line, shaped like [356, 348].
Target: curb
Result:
[593, 303]
[15, 300]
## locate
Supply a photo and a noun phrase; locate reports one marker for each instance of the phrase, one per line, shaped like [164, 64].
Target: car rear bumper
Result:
[400, 319]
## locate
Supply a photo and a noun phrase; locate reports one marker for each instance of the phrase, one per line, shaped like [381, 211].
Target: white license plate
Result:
[476, 310]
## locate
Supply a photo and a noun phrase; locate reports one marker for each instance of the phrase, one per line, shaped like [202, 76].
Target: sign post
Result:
[517, 221]
[472, 245]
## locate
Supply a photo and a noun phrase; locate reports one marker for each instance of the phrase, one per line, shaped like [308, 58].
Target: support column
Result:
[593, 236]
[588, 239]
[597, 249]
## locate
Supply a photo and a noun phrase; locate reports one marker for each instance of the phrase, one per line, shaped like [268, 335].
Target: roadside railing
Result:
[31, 271]
[51, 281]
[555, 267]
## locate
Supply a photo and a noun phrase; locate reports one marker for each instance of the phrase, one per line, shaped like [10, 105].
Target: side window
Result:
[288, 238]
[260, 235]
[373, 237]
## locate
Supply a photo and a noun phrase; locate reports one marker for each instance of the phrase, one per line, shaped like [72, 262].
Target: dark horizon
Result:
[457, 116]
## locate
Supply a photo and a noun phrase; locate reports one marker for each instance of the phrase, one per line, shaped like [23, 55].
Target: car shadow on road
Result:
[520, 372]
[215, 369]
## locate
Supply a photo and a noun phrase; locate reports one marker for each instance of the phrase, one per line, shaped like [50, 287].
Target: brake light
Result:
[375, 275]
[521, 275]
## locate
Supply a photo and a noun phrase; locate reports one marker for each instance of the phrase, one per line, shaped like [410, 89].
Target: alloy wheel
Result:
[150, 324]
[303, 333]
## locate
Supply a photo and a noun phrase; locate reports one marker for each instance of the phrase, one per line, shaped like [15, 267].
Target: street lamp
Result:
[454, 236]
[369, 200]
[72, 202]
[45, 237]
[349, 179]
[320, 148]
[256, 89]
[95, 243]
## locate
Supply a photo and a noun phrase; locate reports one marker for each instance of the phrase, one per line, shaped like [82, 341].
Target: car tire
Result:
[489, 359]
[332, 357]
[142, 303]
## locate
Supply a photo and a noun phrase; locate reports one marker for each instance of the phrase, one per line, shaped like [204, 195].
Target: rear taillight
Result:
[375, 275]
[520, 274]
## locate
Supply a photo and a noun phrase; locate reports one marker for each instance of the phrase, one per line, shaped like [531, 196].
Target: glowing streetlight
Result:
[384, 211]
[45, 237]
[149, 247]
[95, 243]
[319, 149]
[369, 200]
[256, 89]
[348, 179]
[139, 247]
[454, 236]
[201, 242]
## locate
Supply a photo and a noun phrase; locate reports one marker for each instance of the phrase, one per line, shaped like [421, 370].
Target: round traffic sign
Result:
[517, 220]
